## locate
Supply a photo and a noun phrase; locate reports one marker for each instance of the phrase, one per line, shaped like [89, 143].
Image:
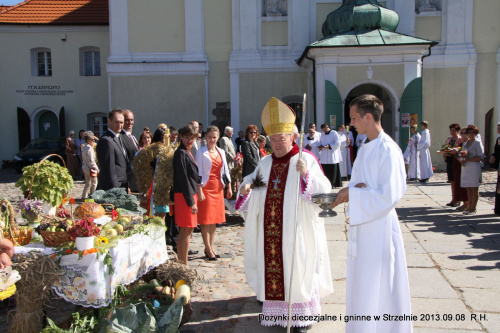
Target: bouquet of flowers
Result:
[462, 156]
[30, 209]
[83, 228]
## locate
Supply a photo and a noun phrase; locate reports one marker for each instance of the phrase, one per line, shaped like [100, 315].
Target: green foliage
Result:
[118, 197]
[51, 183]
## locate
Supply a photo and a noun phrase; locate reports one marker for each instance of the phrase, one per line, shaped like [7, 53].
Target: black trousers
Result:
[332, 172]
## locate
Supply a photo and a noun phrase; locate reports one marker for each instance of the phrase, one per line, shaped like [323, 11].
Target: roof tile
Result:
[64, 12]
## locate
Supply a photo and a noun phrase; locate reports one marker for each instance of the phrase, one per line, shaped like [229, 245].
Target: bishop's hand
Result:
[301, 168]
[245, 189]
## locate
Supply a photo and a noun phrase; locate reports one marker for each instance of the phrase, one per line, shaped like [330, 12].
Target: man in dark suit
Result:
[111, 154]
[131, 147]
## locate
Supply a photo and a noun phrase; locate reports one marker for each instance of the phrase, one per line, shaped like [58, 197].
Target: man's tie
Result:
[133, 140]
[120, 143]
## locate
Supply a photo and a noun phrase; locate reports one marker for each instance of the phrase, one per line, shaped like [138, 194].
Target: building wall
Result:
[83, 94]
[218, 46]
[174, 100]
[156, 26]
[257, 88]
[486, 39]
[445, 100]
[389, 75]
[428, 27]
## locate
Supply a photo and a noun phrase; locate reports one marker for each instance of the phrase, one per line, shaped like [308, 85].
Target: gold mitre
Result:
[277, 117]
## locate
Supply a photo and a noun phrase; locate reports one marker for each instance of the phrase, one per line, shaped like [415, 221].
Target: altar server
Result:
[425, 155]
[414, 169]
[329, 154]
[347, 141]
[377, 277]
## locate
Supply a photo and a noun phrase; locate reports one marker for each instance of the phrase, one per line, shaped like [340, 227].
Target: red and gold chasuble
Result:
[273, 227]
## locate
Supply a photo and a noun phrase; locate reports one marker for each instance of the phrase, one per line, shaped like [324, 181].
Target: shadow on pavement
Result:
[219, 315]
[449, 222]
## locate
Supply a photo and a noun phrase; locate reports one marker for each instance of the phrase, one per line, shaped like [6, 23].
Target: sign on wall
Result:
[35, 90]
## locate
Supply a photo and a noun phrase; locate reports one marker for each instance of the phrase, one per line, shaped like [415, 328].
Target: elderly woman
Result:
[495, 162]
[471, 167]
[187, 185]
[89, 165]
[214, 173]
[145, 139]
[250, 150]
[261, 141]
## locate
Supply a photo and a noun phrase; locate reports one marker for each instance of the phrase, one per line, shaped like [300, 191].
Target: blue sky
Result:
[9, 2]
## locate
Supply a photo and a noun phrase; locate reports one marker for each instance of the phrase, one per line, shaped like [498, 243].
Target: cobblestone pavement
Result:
[223, 302]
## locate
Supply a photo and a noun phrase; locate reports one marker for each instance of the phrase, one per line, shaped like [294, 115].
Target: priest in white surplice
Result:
[425, 155]
[347, 141]
[377, 277]
[269, 226]
[329, 154]
[311, 142]
[414, 170]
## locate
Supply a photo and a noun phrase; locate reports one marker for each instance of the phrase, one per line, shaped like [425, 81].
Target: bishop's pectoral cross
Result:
[276, 182]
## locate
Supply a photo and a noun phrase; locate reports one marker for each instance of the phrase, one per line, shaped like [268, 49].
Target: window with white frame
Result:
[90, 61]
[41, 62]
[97, 123]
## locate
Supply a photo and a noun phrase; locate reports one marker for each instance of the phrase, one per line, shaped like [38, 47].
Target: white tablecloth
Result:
[87, 281]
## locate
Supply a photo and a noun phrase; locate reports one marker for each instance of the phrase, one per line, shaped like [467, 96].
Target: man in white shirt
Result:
[329, 155]
[131, 146]
[377, 277]
[311, 142]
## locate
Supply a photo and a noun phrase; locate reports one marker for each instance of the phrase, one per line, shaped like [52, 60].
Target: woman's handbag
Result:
[93, 173]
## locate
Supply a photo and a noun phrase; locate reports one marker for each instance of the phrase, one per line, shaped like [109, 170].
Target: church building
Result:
[65, 64]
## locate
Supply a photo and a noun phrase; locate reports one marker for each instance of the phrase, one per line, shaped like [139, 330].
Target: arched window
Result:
[41, 62]
[90, 61]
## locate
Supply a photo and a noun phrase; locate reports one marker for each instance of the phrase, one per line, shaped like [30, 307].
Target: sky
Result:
[9, 2]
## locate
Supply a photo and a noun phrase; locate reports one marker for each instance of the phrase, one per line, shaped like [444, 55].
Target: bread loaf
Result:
[89, 209]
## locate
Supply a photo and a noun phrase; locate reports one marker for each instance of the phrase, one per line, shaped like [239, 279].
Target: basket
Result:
[53, 239]
[110, 212]
[34, 174]
[23, 238]
[8, 292]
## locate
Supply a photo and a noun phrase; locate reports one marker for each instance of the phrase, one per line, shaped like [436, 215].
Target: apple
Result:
[107, 226]
[110, 232]
[119, 228]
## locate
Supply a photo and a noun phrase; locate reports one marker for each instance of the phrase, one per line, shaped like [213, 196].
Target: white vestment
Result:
[425, 155]
[377, 277]
[414, 170]
[406, 155]
[314, 143]
[330, 155]
[345, 151]
[311, 262]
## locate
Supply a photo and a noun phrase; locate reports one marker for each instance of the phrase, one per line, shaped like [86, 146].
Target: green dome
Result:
[360, 15]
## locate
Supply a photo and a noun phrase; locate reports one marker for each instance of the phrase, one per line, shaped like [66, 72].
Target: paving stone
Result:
[422, 278]
[482, 300]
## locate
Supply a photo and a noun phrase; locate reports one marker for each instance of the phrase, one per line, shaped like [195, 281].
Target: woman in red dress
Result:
[186, 188]
[215, 176]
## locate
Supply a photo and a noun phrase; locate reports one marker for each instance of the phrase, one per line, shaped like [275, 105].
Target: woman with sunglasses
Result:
[250, 150]
[471, 168]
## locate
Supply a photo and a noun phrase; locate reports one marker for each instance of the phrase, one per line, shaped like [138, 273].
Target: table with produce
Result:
[87, 253]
